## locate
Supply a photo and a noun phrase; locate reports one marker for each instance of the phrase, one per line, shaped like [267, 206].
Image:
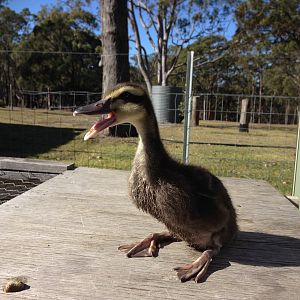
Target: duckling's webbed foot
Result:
[196, 269]
[148, 246]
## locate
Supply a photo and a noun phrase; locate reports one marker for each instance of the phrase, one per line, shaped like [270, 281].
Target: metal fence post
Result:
[188, 106]
[296, 183]
[48, 99]
[10, 98]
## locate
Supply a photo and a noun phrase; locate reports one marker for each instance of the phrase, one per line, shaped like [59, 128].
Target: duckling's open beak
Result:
[101, 107]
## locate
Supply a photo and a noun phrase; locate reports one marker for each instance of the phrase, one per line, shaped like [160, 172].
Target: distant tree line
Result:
[58, 49]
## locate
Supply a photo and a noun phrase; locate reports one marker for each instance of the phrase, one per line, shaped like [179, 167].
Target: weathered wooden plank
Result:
[34, 165]
[63, 235]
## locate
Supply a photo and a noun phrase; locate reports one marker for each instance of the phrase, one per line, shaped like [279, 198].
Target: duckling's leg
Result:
[149, 246]
[197, 268]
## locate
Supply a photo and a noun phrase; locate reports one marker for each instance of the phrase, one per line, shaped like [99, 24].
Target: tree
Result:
[176, 22]
[114, 37]
[270, 31]
[115, 50]
[61, 52]
[12, 27]
[211, 65]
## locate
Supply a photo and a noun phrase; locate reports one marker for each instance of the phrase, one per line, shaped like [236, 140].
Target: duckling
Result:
[191, 202]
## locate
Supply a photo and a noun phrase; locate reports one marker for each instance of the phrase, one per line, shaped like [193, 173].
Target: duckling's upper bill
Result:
[100, 107]
[113, 105]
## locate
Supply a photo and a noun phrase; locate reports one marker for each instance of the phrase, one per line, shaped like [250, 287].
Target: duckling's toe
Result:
[196, 269]
[150, 245]
[146, 248]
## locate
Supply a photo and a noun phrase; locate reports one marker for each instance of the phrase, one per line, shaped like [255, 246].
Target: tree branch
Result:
[173, 17]
[141, 62]
[174, 62]
[210, 61]
[142, 5]
[146, 27]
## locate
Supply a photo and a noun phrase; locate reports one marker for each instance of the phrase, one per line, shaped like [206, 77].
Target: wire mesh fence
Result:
[41, 125]
[14, 183]
[266, 150]
[10, 188]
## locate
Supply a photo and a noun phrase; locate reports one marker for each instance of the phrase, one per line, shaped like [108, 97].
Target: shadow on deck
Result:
[63, 236]
[29, 140]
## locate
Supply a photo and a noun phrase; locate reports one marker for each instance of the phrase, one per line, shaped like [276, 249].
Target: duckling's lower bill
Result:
[99, 108]
[100, 125]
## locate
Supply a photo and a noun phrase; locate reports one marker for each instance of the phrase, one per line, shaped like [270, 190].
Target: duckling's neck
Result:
[150, 152]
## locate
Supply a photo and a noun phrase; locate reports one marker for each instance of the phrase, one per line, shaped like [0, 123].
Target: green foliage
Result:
[56, 49]
[170, 26]
[262, 57]
[12, 28]
[55, 32]
[214, 67]
[269, 34]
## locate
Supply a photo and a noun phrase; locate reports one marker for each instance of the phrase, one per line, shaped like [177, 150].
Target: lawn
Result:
[266, 152]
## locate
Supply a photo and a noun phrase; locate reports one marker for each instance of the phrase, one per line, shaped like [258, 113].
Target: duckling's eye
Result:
[126, 95]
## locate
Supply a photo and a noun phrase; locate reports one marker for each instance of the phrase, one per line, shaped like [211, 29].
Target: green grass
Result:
[57, 135]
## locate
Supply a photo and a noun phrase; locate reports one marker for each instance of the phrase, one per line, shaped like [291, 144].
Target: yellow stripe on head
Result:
[133, 89]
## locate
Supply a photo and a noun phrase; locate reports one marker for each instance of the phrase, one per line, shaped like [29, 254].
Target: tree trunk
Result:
[160, 45]
[164, 65]
[115, 51]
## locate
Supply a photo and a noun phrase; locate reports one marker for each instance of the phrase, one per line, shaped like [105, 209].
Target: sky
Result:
[35, 5]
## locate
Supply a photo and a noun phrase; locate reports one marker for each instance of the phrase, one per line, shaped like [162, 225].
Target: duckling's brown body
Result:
[192, 203]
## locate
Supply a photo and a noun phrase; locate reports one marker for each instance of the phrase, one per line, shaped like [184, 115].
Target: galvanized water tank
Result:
[166, 100]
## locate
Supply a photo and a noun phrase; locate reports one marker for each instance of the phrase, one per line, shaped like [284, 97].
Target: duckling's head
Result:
[124, 103]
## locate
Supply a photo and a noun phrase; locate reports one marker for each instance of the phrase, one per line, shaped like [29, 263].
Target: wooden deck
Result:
[63, 236]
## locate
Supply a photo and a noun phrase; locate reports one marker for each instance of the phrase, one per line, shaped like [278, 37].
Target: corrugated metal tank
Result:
[166, 100]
